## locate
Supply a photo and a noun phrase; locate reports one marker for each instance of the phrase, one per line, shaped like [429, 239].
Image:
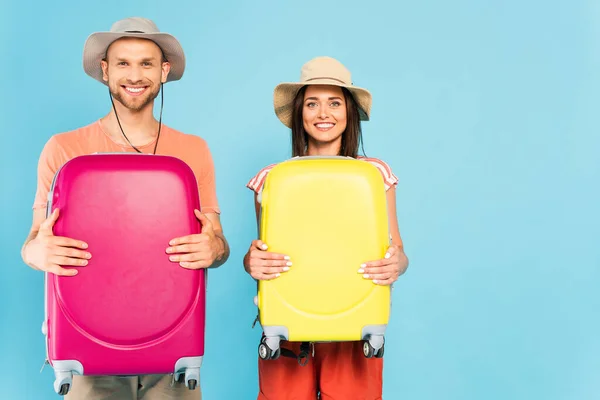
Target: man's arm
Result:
[39, 215]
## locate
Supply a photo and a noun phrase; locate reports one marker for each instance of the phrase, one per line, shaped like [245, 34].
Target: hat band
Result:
[327, 77]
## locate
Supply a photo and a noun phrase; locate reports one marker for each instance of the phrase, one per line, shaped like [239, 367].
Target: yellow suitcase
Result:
[329, 214]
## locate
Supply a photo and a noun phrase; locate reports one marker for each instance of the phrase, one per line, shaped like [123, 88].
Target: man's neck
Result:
[140, 127]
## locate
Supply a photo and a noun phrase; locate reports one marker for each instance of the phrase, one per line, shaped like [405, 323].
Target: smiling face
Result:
[134, 70]
[324, 116]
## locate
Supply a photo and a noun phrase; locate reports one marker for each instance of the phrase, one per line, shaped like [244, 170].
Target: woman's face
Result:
[324, 115]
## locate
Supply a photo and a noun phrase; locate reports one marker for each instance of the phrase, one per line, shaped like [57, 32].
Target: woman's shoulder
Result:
[256, 183]
[389, 178]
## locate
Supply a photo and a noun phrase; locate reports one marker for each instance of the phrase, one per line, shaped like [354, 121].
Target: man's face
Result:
[134, 70]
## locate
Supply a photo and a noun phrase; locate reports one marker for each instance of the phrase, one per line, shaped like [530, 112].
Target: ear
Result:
[166, 68]
[104, 66]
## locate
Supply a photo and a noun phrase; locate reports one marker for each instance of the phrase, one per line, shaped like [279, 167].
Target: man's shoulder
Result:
[69, 137]
[183, 137]
[69, 141]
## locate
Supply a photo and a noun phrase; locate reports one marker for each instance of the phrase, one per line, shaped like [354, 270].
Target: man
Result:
[134, 60]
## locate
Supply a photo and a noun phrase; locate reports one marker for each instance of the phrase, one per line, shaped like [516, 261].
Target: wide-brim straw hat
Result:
[319, 71]
[96, 45]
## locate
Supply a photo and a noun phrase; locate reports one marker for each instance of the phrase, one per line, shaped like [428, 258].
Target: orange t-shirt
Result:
[90, 139]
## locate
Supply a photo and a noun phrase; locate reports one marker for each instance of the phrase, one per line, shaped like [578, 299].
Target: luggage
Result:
[329, 214]
[130, 311]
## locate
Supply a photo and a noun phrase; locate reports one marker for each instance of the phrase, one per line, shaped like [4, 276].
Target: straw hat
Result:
[97, 43]
[319, 71]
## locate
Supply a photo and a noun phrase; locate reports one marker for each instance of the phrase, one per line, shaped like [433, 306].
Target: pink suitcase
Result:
[130, 311]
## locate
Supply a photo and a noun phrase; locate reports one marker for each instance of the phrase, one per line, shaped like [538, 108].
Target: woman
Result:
[324, 111]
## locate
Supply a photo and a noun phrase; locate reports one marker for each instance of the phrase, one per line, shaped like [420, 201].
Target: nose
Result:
[323, 113]
[135, 74]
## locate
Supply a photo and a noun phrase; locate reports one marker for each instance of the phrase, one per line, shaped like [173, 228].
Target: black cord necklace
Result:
[159, 120]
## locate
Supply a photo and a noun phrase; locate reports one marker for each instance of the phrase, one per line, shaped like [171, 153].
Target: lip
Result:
[136, 90]
[324, 126]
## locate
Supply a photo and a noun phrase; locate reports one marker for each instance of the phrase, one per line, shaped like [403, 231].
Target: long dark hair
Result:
[351, 137]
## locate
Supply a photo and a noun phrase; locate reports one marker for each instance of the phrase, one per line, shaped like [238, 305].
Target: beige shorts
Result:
[145, 387]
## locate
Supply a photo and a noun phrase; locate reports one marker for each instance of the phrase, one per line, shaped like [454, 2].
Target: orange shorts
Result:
[338, 371]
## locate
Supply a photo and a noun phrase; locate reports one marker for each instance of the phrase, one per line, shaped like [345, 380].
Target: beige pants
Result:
[145, 387]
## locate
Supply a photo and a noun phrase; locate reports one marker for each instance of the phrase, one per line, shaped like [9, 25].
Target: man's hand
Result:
[50, 253]
[198, 250]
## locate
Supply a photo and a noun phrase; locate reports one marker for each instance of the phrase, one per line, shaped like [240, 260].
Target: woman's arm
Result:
[387, 270]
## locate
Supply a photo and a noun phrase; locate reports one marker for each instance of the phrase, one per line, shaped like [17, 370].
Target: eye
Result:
[335, 104]
[311, 104]
[147, 64]
[122, 63]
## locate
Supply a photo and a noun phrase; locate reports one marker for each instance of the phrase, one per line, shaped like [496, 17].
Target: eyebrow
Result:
[143, 59]
[331, 98]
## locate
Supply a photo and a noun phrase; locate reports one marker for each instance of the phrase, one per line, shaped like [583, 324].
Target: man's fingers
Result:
[185, 248]
[204, 221]
[195, 264]
[64, 261]
[207, 227]
[188, 239]
[189, 257]
[73, 253]
[48, 223]
[57, 270]
[61, 241]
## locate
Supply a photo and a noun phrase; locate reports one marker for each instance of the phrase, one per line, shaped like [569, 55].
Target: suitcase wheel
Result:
[379, 354]
[191, 377]
[264, 352]
[369, 351]
[64, 389]
[63, 382]
[265, 348]
[276, 354]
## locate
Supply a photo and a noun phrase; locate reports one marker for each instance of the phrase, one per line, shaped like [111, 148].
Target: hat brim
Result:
[94, 51]
[285, 93]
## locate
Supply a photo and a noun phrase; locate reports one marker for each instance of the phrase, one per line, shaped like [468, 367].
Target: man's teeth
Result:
[134, 90]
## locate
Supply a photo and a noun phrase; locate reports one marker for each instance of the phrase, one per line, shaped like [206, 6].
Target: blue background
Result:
[487, 112]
